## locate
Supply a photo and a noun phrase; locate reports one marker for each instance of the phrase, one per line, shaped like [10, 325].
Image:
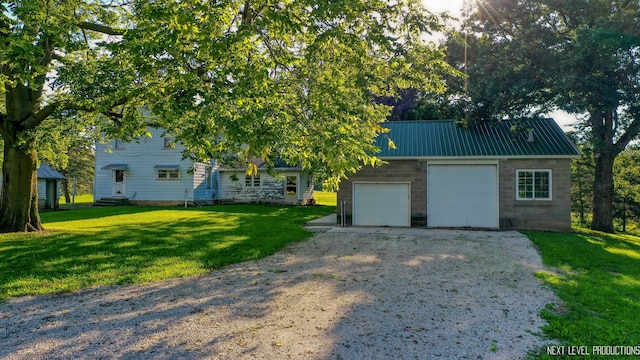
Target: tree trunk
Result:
[65, 190]
[603, 191]
[19, 199]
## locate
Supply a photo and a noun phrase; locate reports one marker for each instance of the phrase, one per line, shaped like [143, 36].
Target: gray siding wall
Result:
[141, 177]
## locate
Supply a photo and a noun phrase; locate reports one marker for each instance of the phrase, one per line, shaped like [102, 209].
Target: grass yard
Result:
[83, 199]
[123, 245]
[325, 198]
[598, 280]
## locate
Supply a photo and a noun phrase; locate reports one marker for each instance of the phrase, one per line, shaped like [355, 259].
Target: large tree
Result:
[288, 79]
[527, 57]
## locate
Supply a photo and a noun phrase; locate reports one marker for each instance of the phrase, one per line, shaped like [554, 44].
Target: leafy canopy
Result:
[291, 79]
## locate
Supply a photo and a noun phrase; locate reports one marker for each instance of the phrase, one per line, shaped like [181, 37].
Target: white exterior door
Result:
[462, 195]
[119, 183]
[381, 204]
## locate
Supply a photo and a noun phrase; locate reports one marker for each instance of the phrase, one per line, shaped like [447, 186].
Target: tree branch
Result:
[630, 134]
[101, 28]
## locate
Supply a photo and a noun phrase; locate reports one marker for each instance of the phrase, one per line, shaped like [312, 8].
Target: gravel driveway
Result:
[345, 294]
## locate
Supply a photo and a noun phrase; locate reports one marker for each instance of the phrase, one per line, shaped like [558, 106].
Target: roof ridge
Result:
[440, 138]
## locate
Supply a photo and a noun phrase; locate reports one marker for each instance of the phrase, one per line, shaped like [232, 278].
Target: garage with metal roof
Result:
[486, 176]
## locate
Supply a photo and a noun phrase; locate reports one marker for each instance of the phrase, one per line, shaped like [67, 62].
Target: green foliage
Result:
[123, 245]
[229, 79]
[582, 177]
[527, 58]
[292, 80]
[626, 172]
[627, 187]
[596, 275]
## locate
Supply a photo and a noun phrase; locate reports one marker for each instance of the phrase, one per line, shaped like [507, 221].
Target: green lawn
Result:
[598, 280]
[83, 199]
[325, 198]
[122, 245]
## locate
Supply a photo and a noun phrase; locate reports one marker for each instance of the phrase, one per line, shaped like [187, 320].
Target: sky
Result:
[454, 8]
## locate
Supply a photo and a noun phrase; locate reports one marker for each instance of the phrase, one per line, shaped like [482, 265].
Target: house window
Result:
[118, 144]
[292, 185]
[168, 143]
[168, 172]
[534, 185]
[252, 181]
[208, 178]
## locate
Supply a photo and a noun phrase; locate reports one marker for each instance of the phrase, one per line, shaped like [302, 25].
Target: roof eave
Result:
[490, 157]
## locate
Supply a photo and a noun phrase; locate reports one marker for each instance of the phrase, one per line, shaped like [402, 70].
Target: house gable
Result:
[148, 170]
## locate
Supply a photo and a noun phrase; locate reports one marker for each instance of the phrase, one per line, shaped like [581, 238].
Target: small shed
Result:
[49, 182]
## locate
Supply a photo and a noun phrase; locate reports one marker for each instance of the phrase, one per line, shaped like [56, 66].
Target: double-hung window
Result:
[252, 181]
[533, 185]
[167, 172]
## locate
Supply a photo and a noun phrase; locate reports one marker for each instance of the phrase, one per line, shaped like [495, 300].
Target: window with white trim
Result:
[168, 174]
[533, 185]
[252, 180]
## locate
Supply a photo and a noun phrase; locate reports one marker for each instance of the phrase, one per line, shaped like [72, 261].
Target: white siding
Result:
[141, 177]
[201, 192]
[42, 189]
[305, 192]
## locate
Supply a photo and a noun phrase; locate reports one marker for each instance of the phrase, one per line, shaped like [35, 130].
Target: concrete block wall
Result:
[396, 171]
[554, 215]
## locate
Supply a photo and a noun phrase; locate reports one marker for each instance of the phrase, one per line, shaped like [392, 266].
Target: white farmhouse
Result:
[152, 171]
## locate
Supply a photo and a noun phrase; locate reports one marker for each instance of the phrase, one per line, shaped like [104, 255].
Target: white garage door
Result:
[462, 196]
[381, 204]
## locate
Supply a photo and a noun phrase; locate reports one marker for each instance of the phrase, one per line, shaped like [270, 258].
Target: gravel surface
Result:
[346, 293]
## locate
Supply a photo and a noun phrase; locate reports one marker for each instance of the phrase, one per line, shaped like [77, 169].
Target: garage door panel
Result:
[381, 204]
[462, 196]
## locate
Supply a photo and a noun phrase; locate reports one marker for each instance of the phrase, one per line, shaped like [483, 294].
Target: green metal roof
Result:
[443, 138]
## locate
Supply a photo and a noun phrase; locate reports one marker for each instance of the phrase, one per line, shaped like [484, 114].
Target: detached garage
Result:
[443, 175]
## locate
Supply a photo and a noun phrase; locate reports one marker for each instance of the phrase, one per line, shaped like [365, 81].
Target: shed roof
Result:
[443, 138]
[46, 172]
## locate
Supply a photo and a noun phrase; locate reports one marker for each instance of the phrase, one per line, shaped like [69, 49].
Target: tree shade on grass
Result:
[232, 80]
[128, 245]
[597, 277]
